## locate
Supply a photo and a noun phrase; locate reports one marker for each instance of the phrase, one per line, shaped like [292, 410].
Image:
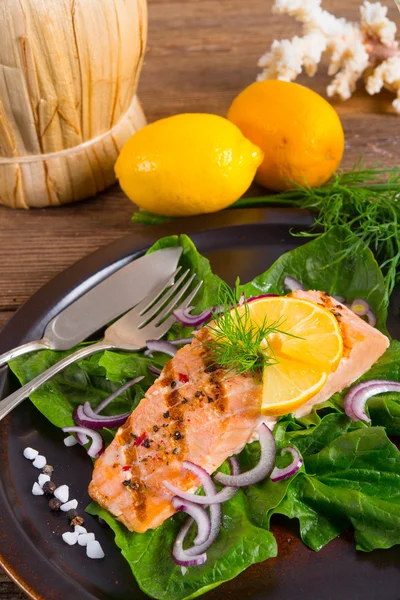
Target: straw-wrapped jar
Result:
[68, 76]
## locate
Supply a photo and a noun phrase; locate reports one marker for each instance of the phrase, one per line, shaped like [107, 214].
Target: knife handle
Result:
[9, 403]
[24, 349]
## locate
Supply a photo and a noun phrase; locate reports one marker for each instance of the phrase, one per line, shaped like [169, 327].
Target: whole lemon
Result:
[299, 132]
[187, 165]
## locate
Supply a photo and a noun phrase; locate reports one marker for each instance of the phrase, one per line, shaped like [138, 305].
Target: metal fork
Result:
[150, 319]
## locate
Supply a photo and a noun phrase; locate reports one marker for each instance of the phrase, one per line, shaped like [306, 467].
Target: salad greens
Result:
[351, 471]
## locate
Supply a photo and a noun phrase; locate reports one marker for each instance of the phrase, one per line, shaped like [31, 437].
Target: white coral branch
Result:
[351, 48]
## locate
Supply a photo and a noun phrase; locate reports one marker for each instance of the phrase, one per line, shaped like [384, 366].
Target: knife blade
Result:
[103, 303]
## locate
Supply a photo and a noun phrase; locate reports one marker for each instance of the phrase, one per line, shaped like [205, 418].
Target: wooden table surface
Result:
[199, 56]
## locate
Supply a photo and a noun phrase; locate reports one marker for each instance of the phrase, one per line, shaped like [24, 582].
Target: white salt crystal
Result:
[70, 441]
[37, 490]
[94, 550]
[39, 461]
[62, 493]
[42, 479]
[30, 453]
[70, 538]
[85, 538]
[71, 505]
[80, 529]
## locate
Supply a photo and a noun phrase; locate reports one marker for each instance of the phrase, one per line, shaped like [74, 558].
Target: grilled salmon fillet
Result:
[197, 411]
[362, 346]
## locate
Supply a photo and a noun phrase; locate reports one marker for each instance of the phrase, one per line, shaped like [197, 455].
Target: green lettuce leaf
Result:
[350, 476]
[239, 545]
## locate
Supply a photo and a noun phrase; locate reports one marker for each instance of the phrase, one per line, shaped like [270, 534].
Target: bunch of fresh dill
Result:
[237, 343]
[367, 201]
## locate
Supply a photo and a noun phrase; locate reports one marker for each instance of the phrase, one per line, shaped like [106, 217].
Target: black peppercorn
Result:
[166, 414]
[173, 384]
[146, 443]
[155, 428]
[175, 451]
[209, 399]
[55, 504]
[177, 435]
[49, 487]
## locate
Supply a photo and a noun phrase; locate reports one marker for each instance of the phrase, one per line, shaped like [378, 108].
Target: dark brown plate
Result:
[240, 243]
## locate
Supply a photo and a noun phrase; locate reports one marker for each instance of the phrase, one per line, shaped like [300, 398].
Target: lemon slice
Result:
[304, 362]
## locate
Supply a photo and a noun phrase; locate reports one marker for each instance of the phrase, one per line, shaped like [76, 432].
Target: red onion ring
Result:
[179, 555]
[85, 416]
[293, 284]
[185, 318]
[218, 498]
[181, 341]
[195, 555]
[117, 393]
[356, 399]
[280, 474]
[96, 447]
[185, 558]
[360, 307]
[160, 346]
[261, 296]
[154, 370]
[261, 470]
[371, 318]
[198, 514]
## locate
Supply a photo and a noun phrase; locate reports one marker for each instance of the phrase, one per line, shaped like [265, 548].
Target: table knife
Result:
[104, 302]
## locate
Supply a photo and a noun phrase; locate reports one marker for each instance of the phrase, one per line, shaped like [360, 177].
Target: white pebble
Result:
[42, 479]
[71, 505]
[70, 441]
[94, 550]
[37, 490]
[39, 461]
[79, 529]
[70, 538]
[85, 538]
[62, 493]
[30, 453]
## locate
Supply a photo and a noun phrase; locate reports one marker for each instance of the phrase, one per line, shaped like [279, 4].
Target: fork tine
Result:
[153, 296]
[174, 301]
[164, 327]
[149, 314]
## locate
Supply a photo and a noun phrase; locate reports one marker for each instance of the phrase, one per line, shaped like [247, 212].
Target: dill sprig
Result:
[367, 201]
[237, 343]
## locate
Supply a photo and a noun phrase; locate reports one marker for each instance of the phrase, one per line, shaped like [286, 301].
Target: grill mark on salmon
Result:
[134, 487]
[215, 372]
[216, 412]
